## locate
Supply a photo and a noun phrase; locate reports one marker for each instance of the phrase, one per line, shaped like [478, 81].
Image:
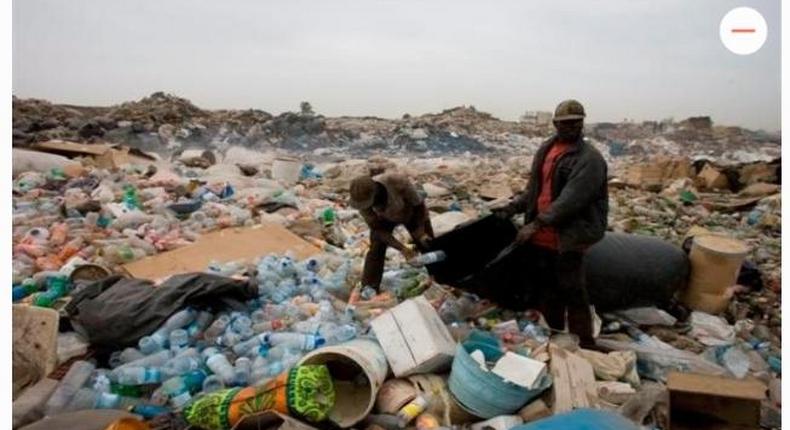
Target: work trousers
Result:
[376, 256]
[563, 289]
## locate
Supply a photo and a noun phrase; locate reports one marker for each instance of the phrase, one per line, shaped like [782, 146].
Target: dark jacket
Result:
[580, 195]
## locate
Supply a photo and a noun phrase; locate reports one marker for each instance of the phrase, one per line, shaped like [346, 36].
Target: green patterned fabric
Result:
[311, 393]
[210, 411]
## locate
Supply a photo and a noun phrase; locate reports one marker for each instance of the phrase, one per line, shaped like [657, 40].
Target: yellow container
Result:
[715, 264]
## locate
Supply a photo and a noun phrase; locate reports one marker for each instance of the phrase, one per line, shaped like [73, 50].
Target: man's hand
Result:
[408, 253]
[526, 233]
[425, 241]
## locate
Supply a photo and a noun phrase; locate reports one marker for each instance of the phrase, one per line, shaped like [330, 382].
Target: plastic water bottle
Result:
[213, 383]
[229, 339]
[179, 338]
[428, 258]
[178, 390]
[244, 347]
[274, 368]
[241, 323]
[217, 327]
[197, 327]
[339, 334]
[75, 378]
[134, 375]
[221, 367]
[242, 369]
[101, 383]
[182, 364]
[148, 345]
[156, 359]
[268, 326]
[301, 341]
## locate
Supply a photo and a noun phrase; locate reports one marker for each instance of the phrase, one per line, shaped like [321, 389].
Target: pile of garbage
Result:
[165, 124]
[216, 293]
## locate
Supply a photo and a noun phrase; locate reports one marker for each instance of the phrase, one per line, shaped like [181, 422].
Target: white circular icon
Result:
[743, 30]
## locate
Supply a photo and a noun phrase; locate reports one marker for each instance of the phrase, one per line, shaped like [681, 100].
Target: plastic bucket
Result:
[346, 362]
[286, 169]
[485, 394]
[715, 264]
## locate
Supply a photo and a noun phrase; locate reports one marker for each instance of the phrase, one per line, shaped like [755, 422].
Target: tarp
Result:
[116, 312]
[622, 270]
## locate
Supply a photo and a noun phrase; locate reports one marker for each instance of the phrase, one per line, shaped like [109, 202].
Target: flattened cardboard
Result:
[231, 244]
[733, 401]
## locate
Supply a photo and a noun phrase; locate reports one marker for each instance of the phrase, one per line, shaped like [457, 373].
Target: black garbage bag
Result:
[622, 270]
[116, 312]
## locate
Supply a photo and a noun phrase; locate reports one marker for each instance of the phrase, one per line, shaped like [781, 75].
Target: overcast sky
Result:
[639, 59]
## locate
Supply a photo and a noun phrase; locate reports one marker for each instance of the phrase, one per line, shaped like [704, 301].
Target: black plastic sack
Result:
[622, 270]
[116, 312]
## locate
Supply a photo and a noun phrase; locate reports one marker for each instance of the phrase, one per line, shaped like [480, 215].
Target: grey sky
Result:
[640, 59]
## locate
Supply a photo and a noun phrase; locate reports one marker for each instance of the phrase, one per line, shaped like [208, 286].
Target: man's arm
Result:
[380, 233]
[579, 192]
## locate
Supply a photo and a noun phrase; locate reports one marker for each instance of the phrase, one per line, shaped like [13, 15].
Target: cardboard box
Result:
[230, 244]
[696, 401]
[414, 338]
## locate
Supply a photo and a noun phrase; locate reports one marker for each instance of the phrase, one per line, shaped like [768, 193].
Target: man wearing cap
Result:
[386, 201]
[565, 208]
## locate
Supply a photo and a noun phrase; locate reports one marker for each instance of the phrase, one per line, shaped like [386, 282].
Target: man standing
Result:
[566, 204]
[386, 201]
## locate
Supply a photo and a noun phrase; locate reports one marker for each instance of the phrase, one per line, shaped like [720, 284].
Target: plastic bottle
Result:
[229, 339]
[339, 333]
[196, 328]
[154, 360]
[273, 368]
[148, 345]
[217, 327]
[244, 347]
[27, 288]
[130, 198]
[179, 338]
[428, 258]
[75, 378]
[183, 364]
[301, 341]
[57, 287]
[241, 323]
[138, 375]
[178, 390]
[86, 398]
[213, 383]
[130, 354]
[412, 409]
[221, 367]
[242, 370]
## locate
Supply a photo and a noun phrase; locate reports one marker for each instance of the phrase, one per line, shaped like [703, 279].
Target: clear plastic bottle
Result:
[197, 327]
[148, 345]
[339, 333]
[134, 375]
[221, 367]
[244, 347]
[229, 339]
[75, 378]
[241, 323]
[217, 327]
[428, 258]
[242, 370]
[300, 341]
[213, 383]
[179, 338]
[174, 389]
[273, 368]
[153, 360]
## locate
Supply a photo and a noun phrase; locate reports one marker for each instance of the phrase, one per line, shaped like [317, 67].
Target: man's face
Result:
[569, 130]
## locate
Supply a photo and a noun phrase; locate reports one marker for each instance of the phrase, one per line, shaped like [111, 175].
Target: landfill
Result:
[176, 267]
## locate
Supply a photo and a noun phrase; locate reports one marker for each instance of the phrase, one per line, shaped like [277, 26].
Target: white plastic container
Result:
[286, 169]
